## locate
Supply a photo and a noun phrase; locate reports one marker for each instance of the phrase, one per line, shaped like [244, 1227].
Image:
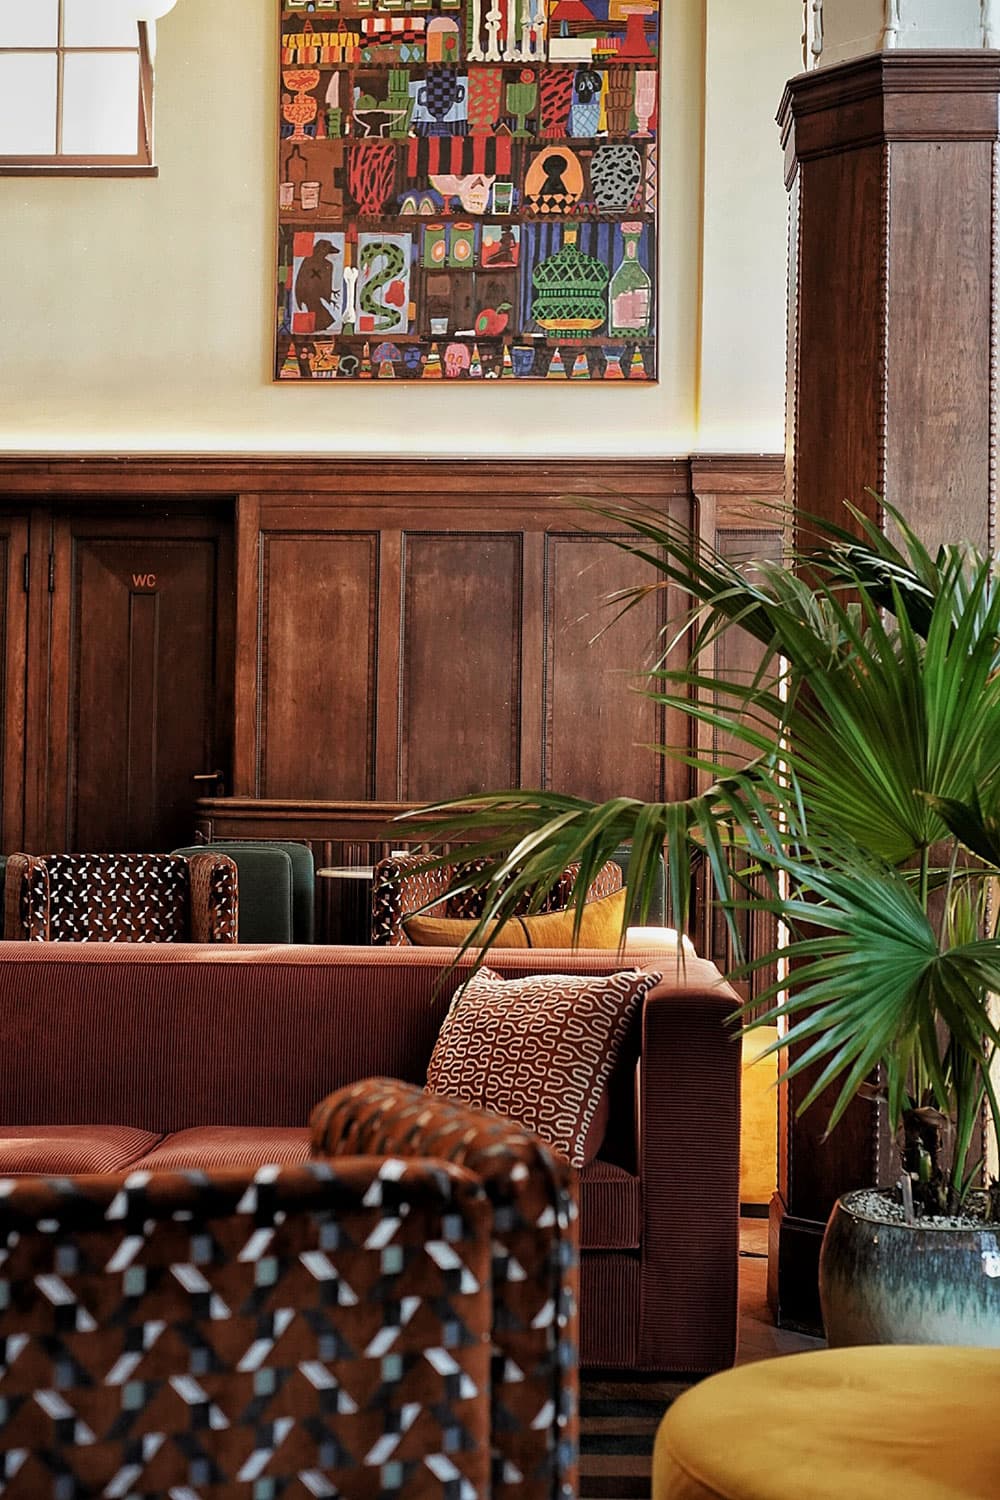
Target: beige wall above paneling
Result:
[137, 315]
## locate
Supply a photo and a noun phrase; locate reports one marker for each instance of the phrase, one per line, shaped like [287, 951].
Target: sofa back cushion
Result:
[168, 1036]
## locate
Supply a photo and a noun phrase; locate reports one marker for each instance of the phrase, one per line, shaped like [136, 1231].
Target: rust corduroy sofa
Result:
[166, 1057]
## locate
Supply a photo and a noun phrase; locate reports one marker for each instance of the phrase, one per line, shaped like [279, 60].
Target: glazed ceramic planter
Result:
[886, 1283]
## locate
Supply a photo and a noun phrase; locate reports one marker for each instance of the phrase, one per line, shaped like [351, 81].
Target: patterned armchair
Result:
[533, 1193]
[399, 889]
[395, 1318]
[121, 898]
[320, 1329]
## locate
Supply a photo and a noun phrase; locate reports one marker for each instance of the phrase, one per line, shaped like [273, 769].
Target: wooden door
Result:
[136, 640]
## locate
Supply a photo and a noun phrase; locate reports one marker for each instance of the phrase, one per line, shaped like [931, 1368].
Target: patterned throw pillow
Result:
[539, 1049]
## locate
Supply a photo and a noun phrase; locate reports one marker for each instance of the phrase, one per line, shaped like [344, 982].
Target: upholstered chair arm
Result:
[535, 1252]
[26, 899]
[315, 1328]
[607, 880]
[397, 891]
[215, 906]
[689, 1159]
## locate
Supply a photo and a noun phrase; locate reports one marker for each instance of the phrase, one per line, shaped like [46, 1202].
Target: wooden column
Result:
[893, 170]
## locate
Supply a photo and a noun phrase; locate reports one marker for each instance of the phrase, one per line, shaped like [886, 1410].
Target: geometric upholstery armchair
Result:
[394, 1318]
[400, 889]
[121, 898]
[533, 1192]
[320, 1329]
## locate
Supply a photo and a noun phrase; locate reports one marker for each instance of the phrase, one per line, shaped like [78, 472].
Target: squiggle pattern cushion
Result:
[539, 1050]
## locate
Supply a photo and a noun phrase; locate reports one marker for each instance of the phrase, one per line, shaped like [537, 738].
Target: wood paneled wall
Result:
[407, 630]
[427, 630]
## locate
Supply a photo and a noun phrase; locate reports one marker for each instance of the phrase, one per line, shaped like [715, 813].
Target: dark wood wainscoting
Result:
[400, 630]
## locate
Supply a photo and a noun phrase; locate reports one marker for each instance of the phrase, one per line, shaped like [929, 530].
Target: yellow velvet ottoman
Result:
[897, 1422]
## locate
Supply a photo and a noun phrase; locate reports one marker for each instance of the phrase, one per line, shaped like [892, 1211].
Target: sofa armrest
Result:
[215, 902]
[535, 1253]
[689, 1159]
[329, 1322]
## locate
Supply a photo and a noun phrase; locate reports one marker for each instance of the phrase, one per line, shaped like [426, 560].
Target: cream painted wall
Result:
[742, 375]
[134, 314]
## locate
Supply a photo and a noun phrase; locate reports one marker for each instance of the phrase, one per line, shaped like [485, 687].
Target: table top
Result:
[346, 872]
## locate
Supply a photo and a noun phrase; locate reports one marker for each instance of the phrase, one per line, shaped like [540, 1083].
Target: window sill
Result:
[76, 169]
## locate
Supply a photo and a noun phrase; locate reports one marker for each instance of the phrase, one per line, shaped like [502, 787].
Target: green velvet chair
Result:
[277, 888]
[657, 914]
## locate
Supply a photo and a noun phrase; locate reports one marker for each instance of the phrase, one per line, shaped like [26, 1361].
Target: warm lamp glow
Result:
[657, 937]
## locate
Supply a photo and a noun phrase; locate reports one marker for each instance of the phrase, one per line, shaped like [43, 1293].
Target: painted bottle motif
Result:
[630, 290]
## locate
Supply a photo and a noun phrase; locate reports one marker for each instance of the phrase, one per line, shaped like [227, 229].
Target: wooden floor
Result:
[619, 1418]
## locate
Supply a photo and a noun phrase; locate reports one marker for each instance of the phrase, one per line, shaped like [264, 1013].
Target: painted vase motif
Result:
[570, 291]
[615, 174]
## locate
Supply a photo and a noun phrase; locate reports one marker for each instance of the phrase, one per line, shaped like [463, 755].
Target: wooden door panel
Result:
[319, 596]
[139, 678]
[460, 663]
[598, 726]
[144, 685]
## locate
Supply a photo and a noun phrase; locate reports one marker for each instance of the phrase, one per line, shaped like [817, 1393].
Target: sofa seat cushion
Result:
[204, 1146]
[64, 1150]
[610, 1208]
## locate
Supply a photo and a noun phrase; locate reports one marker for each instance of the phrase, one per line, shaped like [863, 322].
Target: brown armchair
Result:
[396, 1317]
[121, 898]
[400, 888]
[321, 1329]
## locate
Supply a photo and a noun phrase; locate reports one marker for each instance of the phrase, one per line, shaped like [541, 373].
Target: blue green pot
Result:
[908, 1284]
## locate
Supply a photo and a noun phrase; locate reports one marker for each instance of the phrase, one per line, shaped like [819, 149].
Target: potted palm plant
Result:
[863, 811]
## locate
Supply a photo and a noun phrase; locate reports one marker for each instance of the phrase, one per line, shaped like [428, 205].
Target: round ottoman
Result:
[868, 1423]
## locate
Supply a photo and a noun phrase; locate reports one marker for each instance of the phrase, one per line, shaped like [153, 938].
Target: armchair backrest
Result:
[321, 1329]
[267, 889]
[121, 898]
[400, 887]
[258, 886]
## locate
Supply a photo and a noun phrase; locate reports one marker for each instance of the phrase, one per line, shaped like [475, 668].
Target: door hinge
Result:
[26, 573]
[52, 572]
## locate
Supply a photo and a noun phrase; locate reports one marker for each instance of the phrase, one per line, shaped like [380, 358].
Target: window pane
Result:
[98, 23]
[35, 24]
[27, 103]
[100, 104]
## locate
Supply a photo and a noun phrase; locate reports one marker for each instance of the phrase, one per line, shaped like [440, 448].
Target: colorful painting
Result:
[467, 190]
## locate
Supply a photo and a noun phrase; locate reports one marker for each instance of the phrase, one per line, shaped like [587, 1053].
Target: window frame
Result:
[59, 164]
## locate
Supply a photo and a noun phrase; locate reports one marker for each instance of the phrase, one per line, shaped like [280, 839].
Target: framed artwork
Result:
[467, 190]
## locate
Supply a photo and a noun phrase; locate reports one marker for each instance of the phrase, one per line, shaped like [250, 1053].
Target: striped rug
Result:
[619, 1418]
[618, 1422]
